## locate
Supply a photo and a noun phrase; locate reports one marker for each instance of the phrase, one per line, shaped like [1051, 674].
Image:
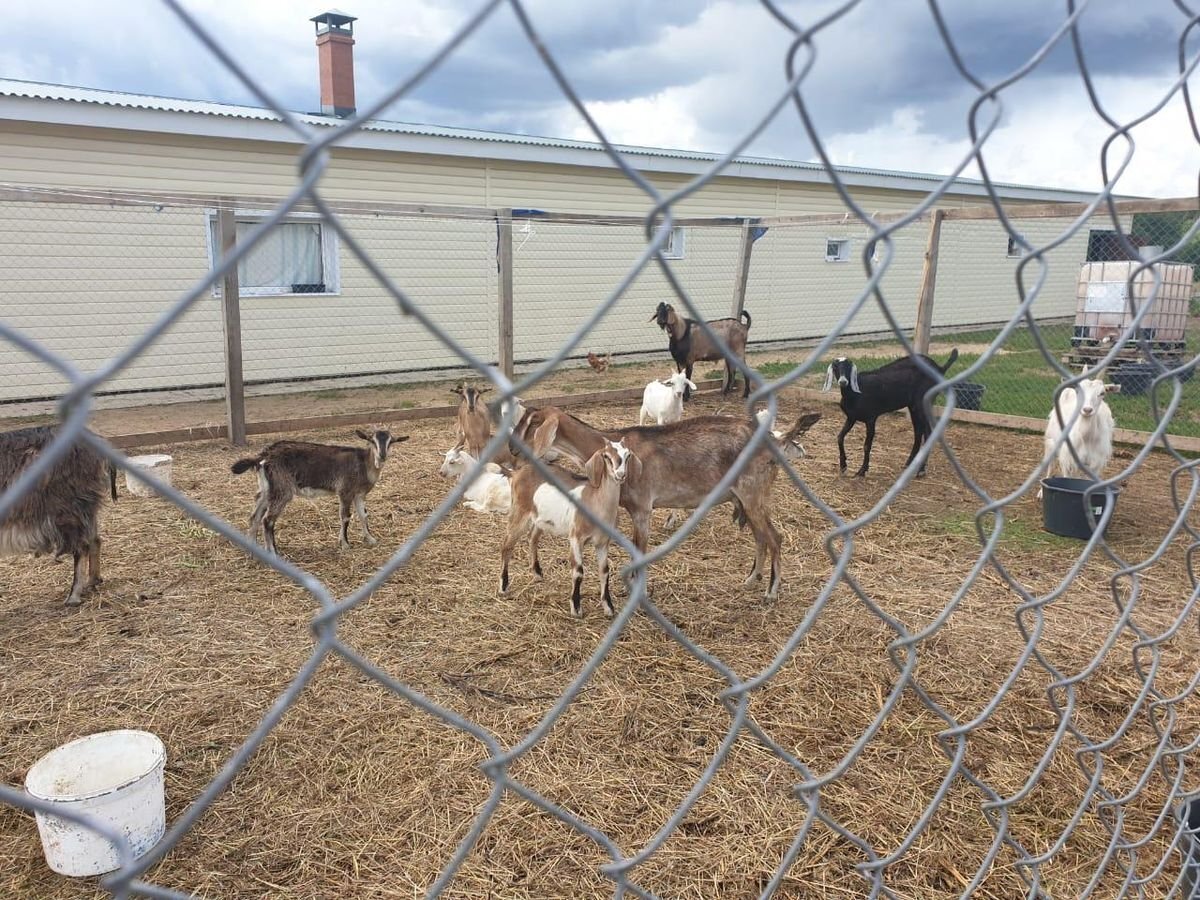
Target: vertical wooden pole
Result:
[504, 289]
[742, 275]
[928, 283]
[231, 308]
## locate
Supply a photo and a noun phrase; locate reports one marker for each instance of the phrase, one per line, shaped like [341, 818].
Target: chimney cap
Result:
[334, 20]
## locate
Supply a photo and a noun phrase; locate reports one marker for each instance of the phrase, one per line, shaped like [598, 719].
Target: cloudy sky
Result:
[694, 74]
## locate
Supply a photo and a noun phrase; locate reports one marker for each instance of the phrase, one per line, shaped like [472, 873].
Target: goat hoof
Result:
[370, 542]
[72, 601]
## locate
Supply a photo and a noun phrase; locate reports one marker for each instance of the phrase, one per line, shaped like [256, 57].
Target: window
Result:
[837, 249]
[673, 248]
[1015, 250]
[297, 256]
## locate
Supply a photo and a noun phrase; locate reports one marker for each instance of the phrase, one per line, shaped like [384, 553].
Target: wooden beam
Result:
[366, 417]
[231, 316]
[504, 290]
[928, 284]
[1073, 210]
[837, 219]
[742, 276]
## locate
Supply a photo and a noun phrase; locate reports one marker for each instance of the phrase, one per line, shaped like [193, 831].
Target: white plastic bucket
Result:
[156, 466]
[115, 778]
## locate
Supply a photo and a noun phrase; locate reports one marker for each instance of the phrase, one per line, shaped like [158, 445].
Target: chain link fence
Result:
[1100, 748]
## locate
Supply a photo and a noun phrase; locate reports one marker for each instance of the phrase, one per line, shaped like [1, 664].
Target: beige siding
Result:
[562, 273]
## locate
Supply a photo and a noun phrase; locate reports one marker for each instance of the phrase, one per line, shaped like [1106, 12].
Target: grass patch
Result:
[1018, 534]
[407, 404]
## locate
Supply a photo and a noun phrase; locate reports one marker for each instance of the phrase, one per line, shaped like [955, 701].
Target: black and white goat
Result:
[868, 395]
[288, 468]
[61, 513]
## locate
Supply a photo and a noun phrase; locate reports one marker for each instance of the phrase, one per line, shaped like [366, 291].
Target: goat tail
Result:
[746, 316]
[950, 361]
[245, 465]
[112, 481]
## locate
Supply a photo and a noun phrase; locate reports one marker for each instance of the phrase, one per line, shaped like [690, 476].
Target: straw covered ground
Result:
[357, 793]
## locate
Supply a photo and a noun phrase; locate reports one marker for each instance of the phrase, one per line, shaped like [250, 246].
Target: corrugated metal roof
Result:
[11, 87]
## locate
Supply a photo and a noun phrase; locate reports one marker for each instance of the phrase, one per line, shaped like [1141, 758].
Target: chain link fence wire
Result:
[1136, 800]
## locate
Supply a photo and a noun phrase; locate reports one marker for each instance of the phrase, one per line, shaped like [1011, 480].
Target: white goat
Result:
[490, 492]
[540, 507]
[662, 401]
[1091, 435]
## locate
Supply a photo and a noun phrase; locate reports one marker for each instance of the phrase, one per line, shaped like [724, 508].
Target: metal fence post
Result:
[928, 283]
[504, 289]
[231, 309]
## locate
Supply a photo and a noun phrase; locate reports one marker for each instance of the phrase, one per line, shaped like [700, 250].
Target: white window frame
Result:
[843, 254]
[676, 244]
[329, 253]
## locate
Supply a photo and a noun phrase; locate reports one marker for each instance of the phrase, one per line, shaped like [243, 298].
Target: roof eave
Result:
[232, 127]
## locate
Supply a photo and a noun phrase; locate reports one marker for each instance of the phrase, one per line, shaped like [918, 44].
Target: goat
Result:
[689, 344]
[868, 395]
[489, 492]
[60, 514]
[681, 464]
[1091, 435]
[539, 506]
[474, 426]
[599, 363]
[288, 468]
[662, 401]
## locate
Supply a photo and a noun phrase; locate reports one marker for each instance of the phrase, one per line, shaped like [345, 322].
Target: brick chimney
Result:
[335, 54]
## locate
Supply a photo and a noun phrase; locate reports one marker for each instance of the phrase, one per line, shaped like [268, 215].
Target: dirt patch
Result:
[357, 792]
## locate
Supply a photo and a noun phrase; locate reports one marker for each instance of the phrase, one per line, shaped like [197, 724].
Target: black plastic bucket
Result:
[1062, 506]
[1135, 379]
[969, 395]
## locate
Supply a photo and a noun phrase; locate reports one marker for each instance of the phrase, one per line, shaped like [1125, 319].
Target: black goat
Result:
[868, 395]
[689, 344]
[61, 513]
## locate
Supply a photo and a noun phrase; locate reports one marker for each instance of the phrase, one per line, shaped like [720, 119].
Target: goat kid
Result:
[689, 344]
[1091, 435]
[490, 492]
[61, 513]
[662, 401]
[868, 395]
[474, 424]
[288, 468]
[539, 507]
[680, 464]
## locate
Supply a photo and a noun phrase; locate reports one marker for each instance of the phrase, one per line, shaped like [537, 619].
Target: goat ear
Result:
[828, 378]
[595, 469]
[483, 390]
[633, 467]
[457, 389]
[691, 384]
[399, 438]
[369, 438]
[1112, 389]
[544, 435]
[854, 379]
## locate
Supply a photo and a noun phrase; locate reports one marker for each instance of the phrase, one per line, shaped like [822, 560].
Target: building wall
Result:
[87, 279]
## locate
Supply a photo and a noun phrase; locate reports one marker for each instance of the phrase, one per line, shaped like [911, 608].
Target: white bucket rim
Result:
[158, 754]
[150, 460]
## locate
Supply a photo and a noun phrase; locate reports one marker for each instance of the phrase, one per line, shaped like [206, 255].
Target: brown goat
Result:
[474, 426]
[689, 344]
[681, 464]
[60, 514]
[288, 468]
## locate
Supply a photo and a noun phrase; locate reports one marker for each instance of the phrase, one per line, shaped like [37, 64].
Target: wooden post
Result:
[743, 269]
[231, 308]
[928, 283]
[504, 289]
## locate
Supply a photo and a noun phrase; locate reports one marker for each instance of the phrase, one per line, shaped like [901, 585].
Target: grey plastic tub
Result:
[1063, 509]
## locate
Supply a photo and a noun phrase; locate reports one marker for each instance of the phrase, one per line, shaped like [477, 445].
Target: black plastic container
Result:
[1189, 846]
[969, 395]
[1063, 510]
[1135, 379]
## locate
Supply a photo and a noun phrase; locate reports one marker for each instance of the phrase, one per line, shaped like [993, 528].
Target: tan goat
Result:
[538, 506]
[474, 425]
[681, 464]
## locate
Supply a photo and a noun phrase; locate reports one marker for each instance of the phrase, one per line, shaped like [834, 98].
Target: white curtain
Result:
[289, 254]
